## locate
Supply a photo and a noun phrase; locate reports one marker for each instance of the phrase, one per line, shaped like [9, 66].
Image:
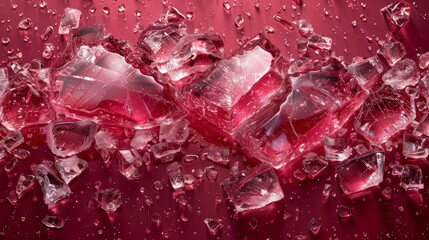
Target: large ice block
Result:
[241, 89]
[100, 85]
[319, 105]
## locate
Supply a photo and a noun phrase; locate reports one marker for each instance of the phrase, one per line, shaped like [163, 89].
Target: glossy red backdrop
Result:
[374, 218]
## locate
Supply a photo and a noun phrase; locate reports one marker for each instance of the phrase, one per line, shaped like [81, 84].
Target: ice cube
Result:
[414, 147]
[385, 113]
[396, 15]
[423, 61]
[320, 103]
[404, 73]
[242, 89]
[12, 141]
[423, 127]
[25, 182]
[392, 51]
[130, 163]
[304, 27]
[141, 138]
[366, 71]
[105, 144]
[4, 81]
[102, 86]
[175, 175]
[66, 138]
[359, 175]
[194, 54]
[336, 149]
[320, 42]
[412, 177]
[161, 37]
[164, 149]
[53, 222]
[253, 189]
[213, 226]
[70, 20]
[108, 199]
[344, 212]
[53, 187]
[314, 166]
[173, 130]
[70, 168]
[24, 106]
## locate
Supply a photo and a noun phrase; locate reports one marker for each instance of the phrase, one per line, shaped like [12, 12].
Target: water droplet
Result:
[238, 22]
[121, 8]
[138, 13]
[106, 10]
[5, 41]
[226, 6]
[92, 9]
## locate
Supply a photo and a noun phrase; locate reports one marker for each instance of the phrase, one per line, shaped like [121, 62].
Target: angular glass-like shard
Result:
[314, 226]
[66, 138]
[253, 189]
[385, 113]
[396, 15]
[10, 164]
[301, 65]
[130, 163]
[53, 222]
[344, 212]
[141, 138]
[404, 73]
[20, 153]
[4, 81]
[105, 144]
[423, 127]
[70, 168]
[102, 86]
[172, 130]
[25, 182]
[319, 42]
[54, 189]
[412, 177]
[304, 27]
[415, 147]
[336, 149]
[108, 199]
[319, 105]
[164, 149]
[424, 85]
[161, 37]
[392, 51]
[314, 166]
[423, 61]
[12, 141]
[213, 226]
[70, 20]
[219, 155]
[24, 106]
[242, 89]
[366, 71]
[211, 173]
[359, 175]
[175, 175]
[193, 54]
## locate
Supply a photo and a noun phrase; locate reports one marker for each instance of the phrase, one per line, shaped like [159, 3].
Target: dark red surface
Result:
[374, 217]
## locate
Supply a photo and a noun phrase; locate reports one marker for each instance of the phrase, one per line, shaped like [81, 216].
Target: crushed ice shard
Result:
[53, 187]
[70, 168]
[358, 175]
[396, 15]
[404, 73]
[412, 177]
[366, 71]
[253, 189]
[66, 138]
[70, 20]
[385, 113]
[108, 199]
[175, 175]
[130, 163]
